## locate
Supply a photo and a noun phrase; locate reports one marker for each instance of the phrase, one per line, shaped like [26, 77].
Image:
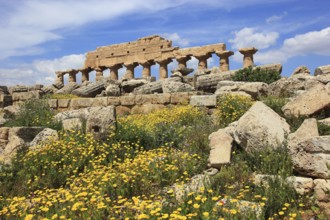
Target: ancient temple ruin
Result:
[148, 51]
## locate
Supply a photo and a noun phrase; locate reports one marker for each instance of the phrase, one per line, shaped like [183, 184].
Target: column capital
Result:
[203, 56]
[147, 63]
[248, 50]
[224, 53]
[134, 64]
[164, 61]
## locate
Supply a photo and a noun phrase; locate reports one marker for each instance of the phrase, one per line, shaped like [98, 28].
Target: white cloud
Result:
[40, 71]
[275, 18]
[315, 42]
[248, 37]
[176, 39]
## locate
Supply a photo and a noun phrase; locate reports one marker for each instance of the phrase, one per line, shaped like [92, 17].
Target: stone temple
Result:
[148, 51]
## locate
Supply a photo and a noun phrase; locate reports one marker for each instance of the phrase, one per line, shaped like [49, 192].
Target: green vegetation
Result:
[34, 112]
[251, 74]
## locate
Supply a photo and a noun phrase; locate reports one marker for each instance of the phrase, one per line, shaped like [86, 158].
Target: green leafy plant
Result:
[251, 74]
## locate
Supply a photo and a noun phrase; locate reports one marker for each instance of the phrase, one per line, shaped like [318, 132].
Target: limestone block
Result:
[308, 129]
[302, 185]
[301, 70]
[81, 103]
[261, 127]
[173, 86]
[72, 123]
[130, 85]
[322, 70]
[113, 101]
[322, 189]
[122, 110]
[4, 131]
[63, 103]
[164, 98]
[127, 100]
[52, 103]
[23, 96]
[308, 103]
[68, 88]
[46, 135]
[180, 98]
[220, 144]
[146, 108]
[311, 157]
[80, 113]
[100, 102]
[204, 100]
[143, 99]
[255, 89]
[90, 90]
[112, 90]
[209, 82]
[100, 120]
[325, 121]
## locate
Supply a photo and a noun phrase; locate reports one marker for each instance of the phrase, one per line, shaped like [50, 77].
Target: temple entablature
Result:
[146, 52]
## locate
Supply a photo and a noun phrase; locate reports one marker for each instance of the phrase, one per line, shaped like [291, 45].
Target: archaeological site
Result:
[209, 131]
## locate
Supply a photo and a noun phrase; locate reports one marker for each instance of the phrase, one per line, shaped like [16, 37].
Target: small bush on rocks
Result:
[257, 74]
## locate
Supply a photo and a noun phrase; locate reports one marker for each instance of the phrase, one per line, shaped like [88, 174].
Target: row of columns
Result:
[163, 70]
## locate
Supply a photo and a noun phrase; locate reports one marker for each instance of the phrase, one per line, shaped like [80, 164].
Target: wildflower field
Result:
[129, 174]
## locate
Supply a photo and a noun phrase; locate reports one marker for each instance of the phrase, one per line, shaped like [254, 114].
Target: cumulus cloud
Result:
[40, 71]
[314, 42]
[176, 39]
[248, 37]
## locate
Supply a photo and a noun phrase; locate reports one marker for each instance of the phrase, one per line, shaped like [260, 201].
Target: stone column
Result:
[248, 56]
[146, 72]
[182, 61]
[202, 61]
[163, 71]
[99, 73]
[130, 70]
[72, 76]
[84, 75]
[114, 71]
[224, 59]
[59, 77]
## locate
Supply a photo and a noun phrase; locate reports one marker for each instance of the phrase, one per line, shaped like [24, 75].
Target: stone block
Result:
[180, 98]
[146, 108]
[52, 103]
[122, 110]
[100, 102]
[81, 103]
[127, 100]
[204, 100]
[143, 99]
[63, 103]
[220, 144]
[23, 96]
[164, 98]
[113, 101]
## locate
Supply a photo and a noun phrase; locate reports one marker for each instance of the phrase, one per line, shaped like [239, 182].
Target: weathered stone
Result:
[223, 92]
[180, 98]
[201, 72]
[220, 145]
[23, 96]
[81, 114]
[203, 100]
[81, 103]
[100, 120]
[63, 103]
[46, 135]
[164, 98]
[143, 99]
[150, 88]
[255, 89]
[261, 127]
[308, 103]
[209, 82]
[172, 87]
[52, 103]
[113, 101]
[129, 85]
[73, 123]
[91, 90]
[302, 185]
[322, 189]
[58, 85]
[18, 88]
[325, 121]
[100, 102]
[122, 110]
[271, 67]
[322, 70]
[146, 108]
[127, 100]
[308, 129]
[311, 157]
[67, 89]
[112, 90]
[301, 70]
[183, 70]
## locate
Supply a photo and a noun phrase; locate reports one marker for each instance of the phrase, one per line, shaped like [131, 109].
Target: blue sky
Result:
[41, 36]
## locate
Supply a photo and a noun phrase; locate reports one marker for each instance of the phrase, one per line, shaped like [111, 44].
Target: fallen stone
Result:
[325, 121]
[173, 86]
[308, 103]
[321, 190]
[68, 88]
[261, 127]
[209, 82]
[23, 96]
[73, 123]
[100, 120]
[308, 129]
[91, 90]
[45, 136]
[183, 70]
[220, 145]
[254, 89]
[112, 90]
[322, 70]
[129, 85]
[302, 185]
[301, 70]
[203, 100]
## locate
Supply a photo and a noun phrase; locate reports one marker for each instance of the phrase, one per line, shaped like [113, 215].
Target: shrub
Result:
[34, 112]
[275, 103]
[257, 74]
[323, 129]
[230, 108]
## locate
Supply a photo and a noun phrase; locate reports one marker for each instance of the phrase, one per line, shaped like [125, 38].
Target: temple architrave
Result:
[146, 51]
